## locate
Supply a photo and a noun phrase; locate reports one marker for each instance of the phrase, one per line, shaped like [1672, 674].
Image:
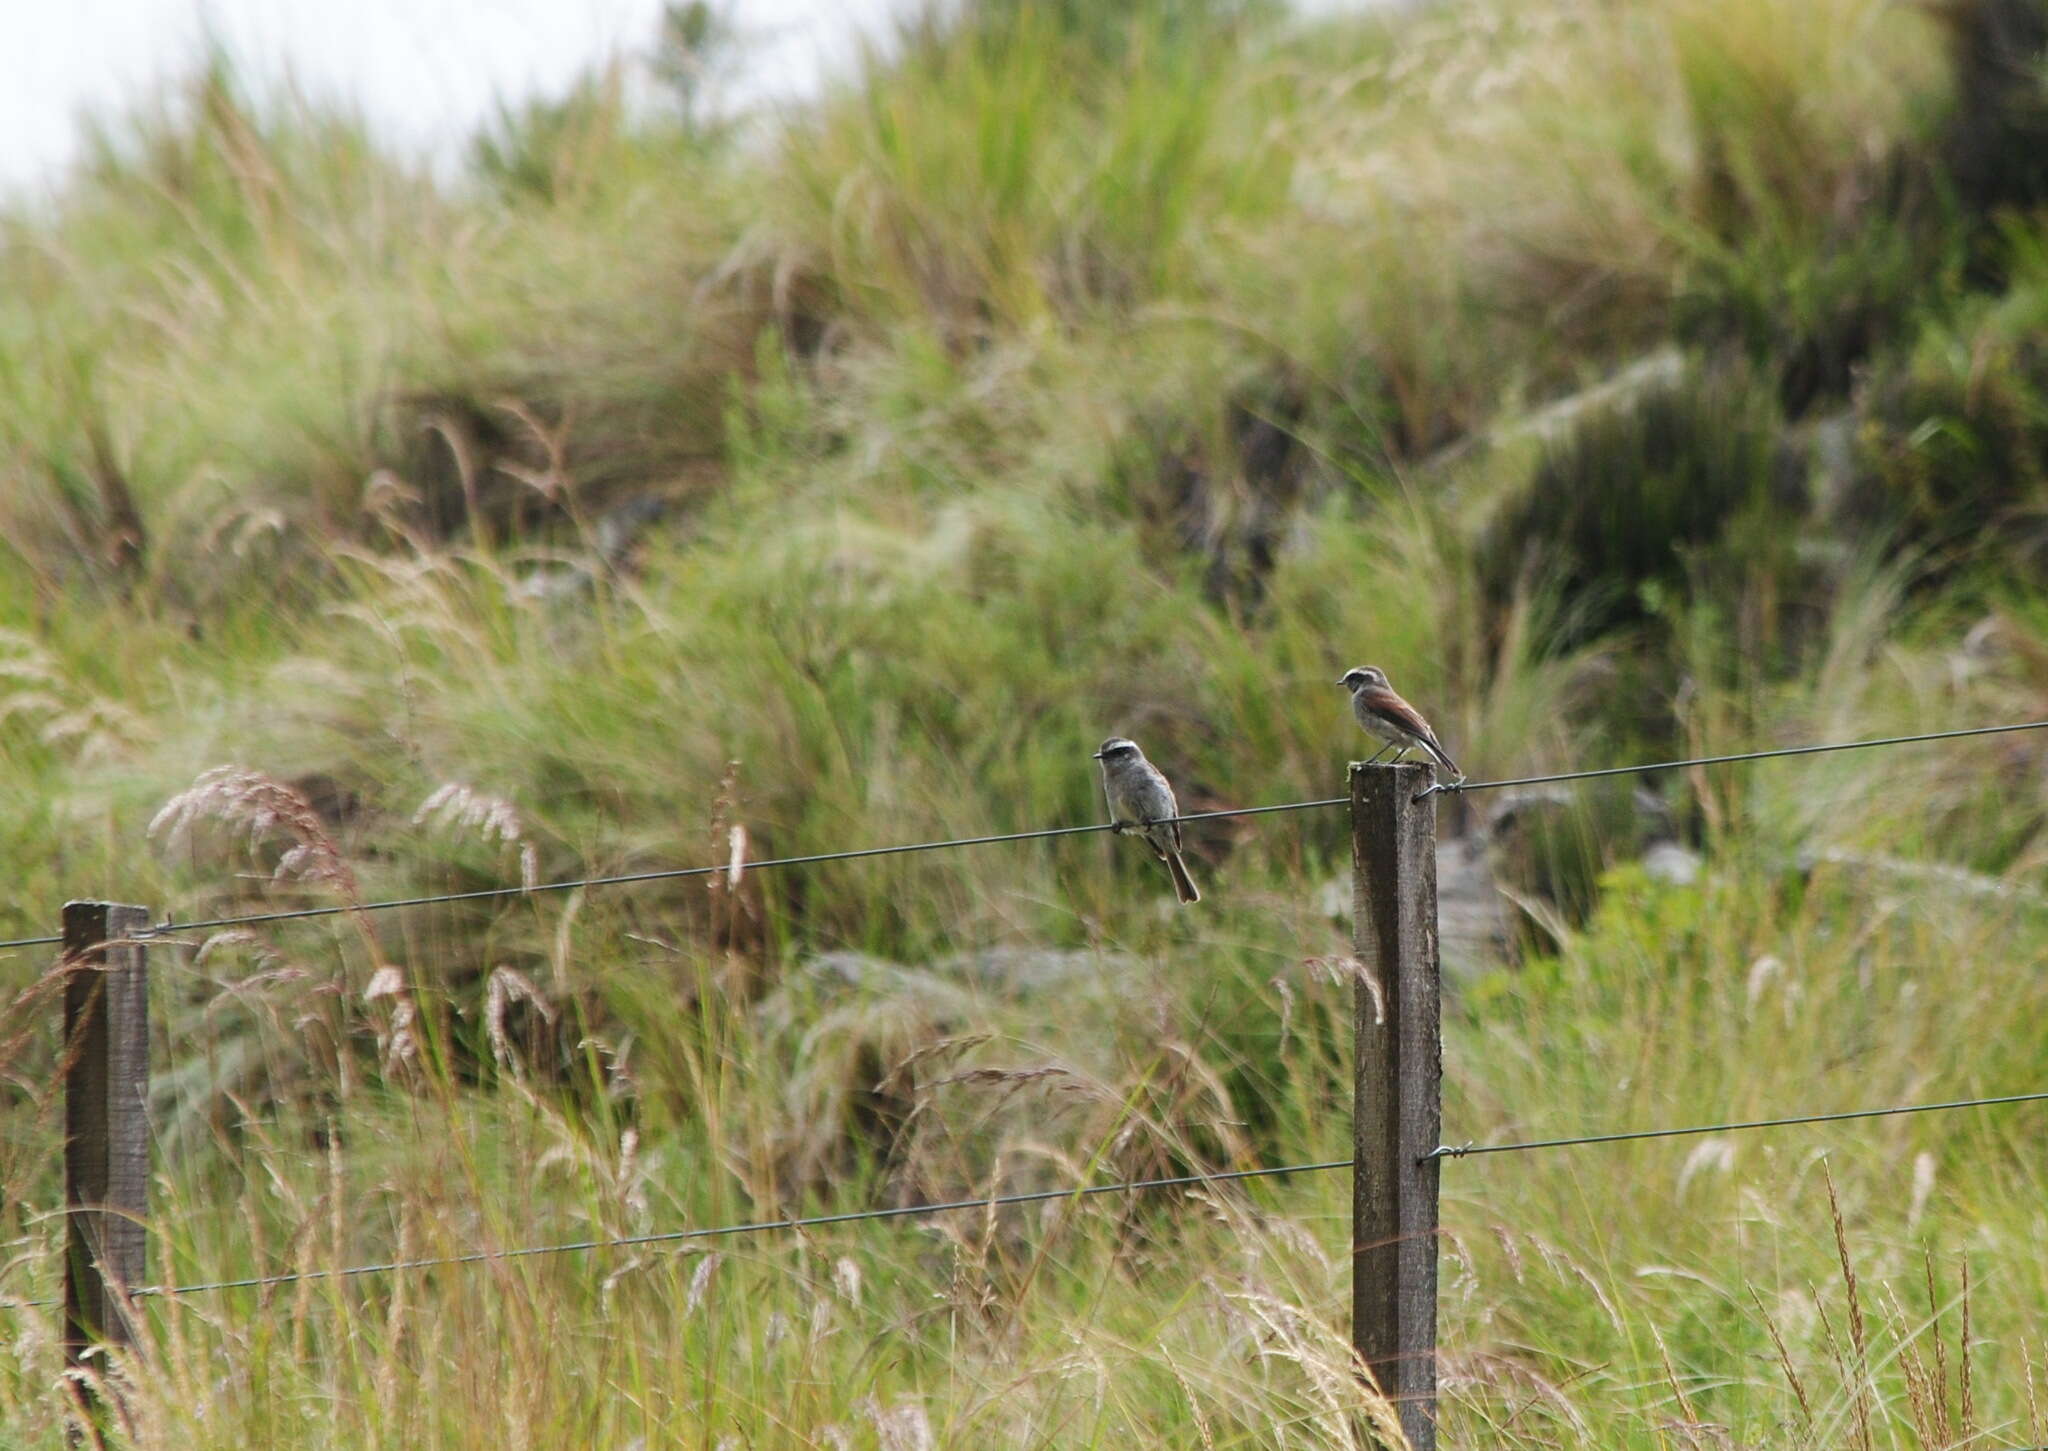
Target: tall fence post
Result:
[1398, 1111]
[106, 1133]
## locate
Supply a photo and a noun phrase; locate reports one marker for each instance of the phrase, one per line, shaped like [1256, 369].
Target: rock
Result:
[1475, 923]
[1672, 864]
[553, 582]
[623, 524]
[1023, 970]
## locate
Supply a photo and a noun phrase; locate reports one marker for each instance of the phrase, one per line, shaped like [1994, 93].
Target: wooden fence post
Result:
[1398, 1112]
[106, 1130]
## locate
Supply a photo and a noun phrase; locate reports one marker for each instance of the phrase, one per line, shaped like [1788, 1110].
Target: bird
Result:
[1389, 718]
[1141, 800]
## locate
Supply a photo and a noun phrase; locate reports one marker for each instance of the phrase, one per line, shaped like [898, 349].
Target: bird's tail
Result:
[1443, 757]
[1183, 884]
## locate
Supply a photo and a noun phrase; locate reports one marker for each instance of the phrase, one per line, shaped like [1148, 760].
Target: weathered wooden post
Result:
[1398, 1110]
[106, 1130]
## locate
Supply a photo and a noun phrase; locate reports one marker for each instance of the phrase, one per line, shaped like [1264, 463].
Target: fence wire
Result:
[667, 874]
[1038, 1196]
[818, 858]
[1443, 1151]
[1990, 730]
[1464, 1151]
[761, 1226]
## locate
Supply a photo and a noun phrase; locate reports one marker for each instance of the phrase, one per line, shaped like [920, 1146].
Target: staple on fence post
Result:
[1397, 1112]
[106, 1134]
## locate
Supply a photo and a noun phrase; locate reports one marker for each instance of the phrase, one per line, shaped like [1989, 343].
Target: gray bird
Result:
[1386, 717]
[1140, 800]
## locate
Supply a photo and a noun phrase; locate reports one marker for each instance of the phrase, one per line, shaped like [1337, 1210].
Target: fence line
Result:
[674, 1236]
[675, 873]
[1990, 730]
[1463, 1151]
[1036, 1196]
[1397, 1066]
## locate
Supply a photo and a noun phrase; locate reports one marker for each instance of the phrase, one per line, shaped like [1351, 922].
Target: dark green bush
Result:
[1621, 513]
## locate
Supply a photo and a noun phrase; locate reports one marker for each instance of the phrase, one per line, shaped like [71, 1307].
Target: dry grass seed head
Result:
[695, 1298]
[1791, 1372]
[854, 1090]
[67, 716]
[507, 986]
[552, 482]
[1194, 1402]
[903, 1426]
[260, 806]
[2034, 1425]
[1922, 1397]
[1342, 968]
[1339, 1396]
[1678, 1394]
[1563, 1265]
[1944, 1421]
[1513, 1380]
[398, 1045]
[1858, 1338]
[1008, 1082]
[28, 1008]
[454, 805]
[1964, 1375]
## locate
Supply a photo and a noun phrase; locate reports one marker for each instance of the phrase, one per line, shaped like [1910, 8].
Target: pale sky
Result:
[424, 72]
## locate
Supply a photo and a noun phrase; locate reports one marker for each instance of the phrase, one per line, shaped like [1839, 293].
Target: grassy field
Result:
[1629, 378]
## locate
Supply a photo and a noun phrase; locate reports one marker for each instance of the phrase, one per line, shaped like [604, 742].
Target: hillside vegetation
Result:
[1628, 378]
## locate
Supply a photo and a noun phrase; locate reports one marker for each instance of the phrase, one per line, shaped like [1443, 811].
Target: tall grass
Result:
[679, 494]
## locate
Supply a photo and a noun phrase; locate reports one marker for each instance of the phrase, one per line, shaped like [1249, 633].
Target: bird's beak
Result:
[1343, 680]
[1098, 755]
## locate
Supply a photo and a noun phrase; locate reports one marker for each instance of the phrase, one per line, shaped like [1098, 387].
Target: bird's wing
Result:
[1397, 710]
[1172, 809]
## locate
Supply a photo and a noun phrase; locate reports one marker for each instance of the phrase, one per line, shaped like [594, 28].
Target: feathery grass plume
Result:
[272, 815]
[260, 808]
[1341, 1403]
[737, 922]
[29, 1084]
[64, 712]
[1343, 969]
[398, 1041]
[505, 987]
[700, 1281]
[454, 806]
[901, 1426]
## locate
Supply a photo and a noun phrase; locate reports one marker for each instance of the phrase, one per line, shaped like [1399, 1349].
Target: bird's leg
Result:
[1381, 752]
